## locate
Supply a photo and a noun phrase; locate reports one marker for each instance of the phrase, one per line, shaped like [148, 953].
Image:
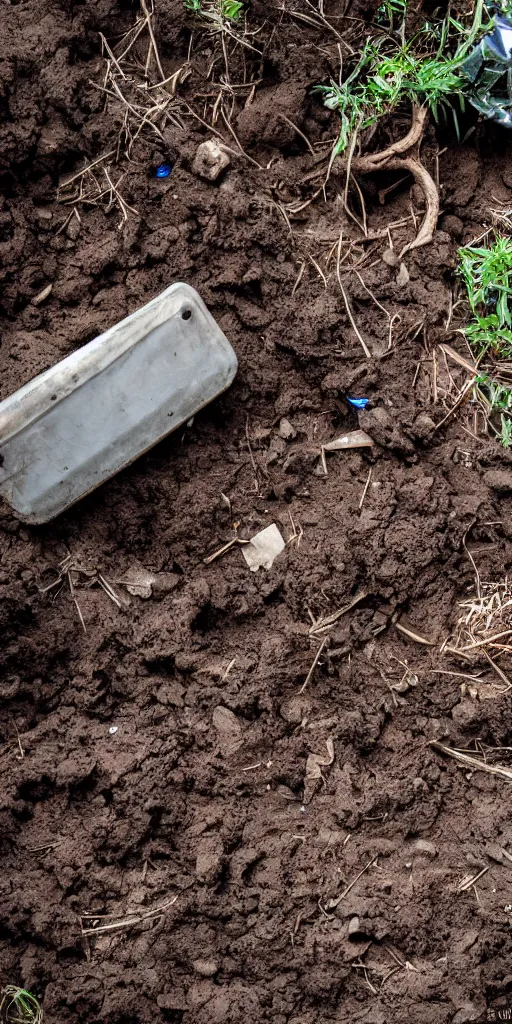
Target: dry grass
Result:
[108, 924]
[17, 1006]
[486, 619]
[140, 101]
[77, 575]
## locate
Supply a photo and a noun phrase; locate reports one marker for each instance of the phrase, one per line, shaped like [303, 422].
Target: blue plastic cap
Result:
[358, 403]
[163, 171]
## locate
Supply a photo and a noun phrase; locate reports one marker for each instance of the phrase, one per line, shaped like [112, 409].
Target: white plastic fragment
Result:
[113, 729]
[264, 548]
[355, 439]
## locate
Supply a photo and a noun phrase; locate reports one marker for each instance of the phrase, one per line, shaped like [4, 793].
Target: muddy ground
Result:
[195, 810]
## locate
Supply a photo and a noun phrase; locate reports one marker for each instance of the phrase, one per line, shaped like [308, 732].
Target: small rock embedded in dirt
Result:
[206, 968]
[209, 859]
[390, 257]
[466, 714]
[353, 927]
[403, 276]
[73, 229]
[228, 729]
[378, 423]
[423, 426]
[499, 480]
[294, 709]
[164, 582]
[467, 940]
[286, 430]
[422, 846]
[453, 226]
[467, 1013]
[210, 160]
[384, 430]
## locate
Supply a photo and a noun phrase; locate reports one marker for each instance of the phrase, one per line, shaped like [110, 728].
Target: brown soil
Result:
[185, 799]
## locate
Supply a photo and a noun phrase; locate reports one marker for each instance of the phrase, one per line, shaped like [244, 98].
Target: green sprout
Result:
[17, 1006]
[389, 73]
[487, 275]
[217, 11]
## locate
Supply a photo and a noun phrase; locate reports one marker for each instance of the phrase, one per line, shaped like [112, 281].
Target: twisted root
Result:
[393, 160]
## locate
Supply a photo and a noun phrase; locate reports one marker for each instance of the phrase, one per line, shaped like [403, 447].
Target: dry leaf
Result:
[286, 430]
[452, 354]
[314, 765]
[356, 439]
[138, 582]
[264, 548]
[402, 278]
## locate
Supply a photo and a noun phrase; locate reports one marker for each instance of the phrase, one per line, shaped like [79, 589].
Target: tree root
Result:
[392, 159]
[426, 183]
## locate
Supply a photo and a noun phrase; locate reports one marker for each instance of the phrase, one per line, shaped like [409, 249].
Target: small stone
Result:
[424, 848]
[295, 708]
[164, 582]
[378, 423]
[210, 160]
[466, 941]
[466, 714]
[390, 257]
[228, 728]
[423, 425]
[73, 229]
[209, 859]
[353, 927]
[467, 1013]
[286, 430]
[499, 480]
[206, 968]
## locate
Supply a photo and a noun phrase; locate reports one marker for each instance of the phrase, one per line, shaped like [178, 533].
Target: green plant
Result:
[387, 74]
[379, 82]
[392, 12]
[232, 9]
[17, 1006]
[217, 11]
[487, 275]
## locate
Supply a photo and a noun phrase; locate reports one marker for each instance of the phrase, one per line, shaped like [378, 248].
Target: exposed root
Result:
[413, 138]
[428, 186]
[398, 157]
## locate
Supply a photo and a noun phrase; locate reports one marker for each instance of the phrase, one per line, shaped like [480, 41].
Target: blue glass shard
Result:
[163, 171]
